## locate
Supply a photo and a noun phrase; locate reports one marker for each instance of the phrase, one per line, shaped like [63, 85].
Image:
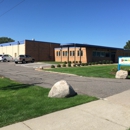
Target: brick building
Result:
[88, 53]
[41, 51]
[48, 51]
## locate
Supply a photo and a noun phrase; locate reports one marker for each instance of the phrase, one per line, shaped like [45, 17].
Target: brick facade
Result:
[41, 51]
[88, 54]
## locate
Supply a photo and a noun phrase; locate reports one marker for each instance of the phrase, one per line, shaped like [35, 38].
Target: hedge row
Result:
[69, 64]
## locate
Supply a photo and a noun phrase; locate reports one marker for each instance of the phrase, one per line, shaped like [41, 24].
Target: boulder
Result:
[39, 68]
[121, 74]
[61, 89]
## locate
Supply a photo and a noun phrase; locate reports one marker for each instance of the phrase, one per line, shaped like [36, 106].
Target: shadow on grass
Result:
[17, 86]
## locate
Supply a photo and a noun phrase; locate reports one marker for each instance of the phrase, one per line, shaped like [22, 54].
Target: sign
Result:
[123, 61]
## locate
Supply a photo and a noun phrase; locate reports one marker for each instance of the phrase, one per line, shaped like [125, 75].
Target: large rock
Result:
[121, 74]
[61, 89]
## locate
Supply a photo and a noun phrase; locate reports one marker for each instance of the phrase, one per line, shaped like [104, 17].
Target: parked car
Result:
[6, 58]
[1, 57]
[24, 59]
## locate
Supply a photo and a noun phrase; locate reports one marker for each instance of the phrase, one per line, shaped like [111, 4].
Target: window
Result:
[102, 54]
[107, 54]
[70, 53]
[80, 53]
[65, 53]
[73, 53]
[98, 54]
[94, 53]
[58, 53]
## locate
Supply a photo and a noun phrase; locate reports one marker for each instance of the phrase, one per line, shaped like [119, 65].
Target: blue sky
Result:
[97, 22]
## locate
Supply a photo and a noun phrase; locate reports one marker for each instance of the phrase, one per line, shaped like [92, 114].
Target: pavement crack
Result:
[94, 115]
[27, 126]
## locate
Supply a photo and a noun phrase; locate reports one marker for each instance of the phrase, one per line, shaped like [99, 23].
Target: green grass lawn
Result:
[52, 62]
[19, 102]
[102, 71]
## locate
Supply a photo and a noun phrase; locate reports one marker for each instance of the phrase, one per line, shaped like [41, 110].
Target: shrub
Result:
[89, 63]
[96, 63]
[52, 66]
[78, 65]
[80, 62]
[58, 65]
[103, 62]
[69, 65]
[83, 64]
[114, 70]
[107, 62]
[74, 65]
[64, 65]
[111, 62]
[65, 62]
[93, 63]
[99, 62]
[69, 62]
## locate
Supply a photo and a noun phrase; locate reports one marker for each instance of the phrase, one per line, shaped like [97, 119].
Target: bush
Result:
[83, 64]
[65, 62]
[107, 62]
[64, 65]
[89, 63]
[78, 65]
[93, 63]
[103, 62]
[80, 62]
[111, 62]
[96, 63]
[58, 65]
[52, 66]
[69, 65]
[99, 62]
[114, 70]
[69, 62]
[74, 65]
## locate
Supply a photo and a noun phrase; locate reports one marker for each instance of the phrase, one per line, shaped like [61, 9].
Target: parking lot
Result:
[26, 73]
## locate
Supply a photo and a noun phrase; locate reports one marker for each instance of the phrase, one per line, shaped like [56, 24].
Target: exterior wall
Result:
[13, 50]
[88, 54]
[41, 51]
[92, 58]
[69, 57]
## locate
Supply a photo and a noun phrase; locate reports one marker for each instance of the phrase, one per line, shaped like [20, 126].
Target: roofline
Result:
[87, 45]
[41, 41]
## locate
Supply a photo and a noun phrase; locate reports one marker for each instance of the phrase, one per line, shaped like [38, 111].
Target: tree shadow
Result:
[17, 86]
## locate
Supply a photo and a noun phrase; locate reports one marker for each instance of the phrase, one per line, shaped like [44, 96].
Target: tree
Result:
[5, 40]
[127, 46]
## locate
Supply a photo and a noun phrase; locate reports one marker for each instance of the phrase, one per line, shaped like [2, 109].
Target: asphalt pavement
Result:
[98, 87]
[111, 112]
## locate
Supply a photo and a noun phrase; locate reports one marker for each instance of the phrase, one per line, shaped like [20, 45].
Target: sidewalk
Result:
[112, 113]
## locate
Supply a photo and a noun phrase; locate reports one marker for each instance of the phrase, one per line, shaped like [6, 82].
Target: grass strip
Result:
[19, 102]
[101, 71]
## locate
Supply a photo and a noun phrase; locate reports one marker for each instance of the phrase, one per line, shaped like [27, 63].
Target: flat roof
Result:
[11, 43]
[87, 45]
